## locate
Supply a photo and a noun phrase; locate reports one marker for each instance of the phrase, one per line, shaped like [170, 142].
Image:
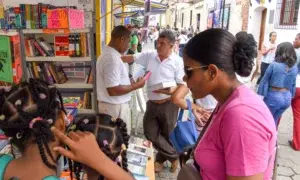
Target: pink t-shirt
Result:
[240, 140]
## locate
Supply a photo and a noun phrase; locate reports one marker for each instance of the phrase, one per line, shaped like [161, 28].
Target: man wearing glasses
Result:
[161, 114]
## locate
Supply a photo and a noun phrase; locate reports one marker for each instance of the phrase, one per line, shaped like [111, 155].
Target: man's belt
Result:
[161, 101]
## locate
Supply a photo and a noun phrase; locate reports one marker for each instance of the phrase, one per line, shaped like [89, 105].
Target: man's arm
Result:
[125, 89]
[128, 58]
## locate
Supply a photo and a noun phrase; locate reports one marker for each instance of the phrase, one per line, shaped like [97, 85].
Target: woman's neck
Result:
[226, 88]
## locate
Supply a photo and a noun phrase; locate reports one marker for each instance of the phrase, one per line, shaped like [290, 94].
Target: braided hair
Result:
[27, 112]
[111, 135]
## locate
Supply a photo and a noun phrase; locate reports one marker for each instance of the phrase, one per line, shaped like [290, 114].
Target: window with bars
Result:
[287, 14]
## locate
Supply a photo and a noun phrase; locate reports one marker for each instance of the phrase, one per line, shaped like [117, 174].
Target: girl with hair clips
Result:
[238, 141]
[27, 113]
[111, 135]
[278, 85]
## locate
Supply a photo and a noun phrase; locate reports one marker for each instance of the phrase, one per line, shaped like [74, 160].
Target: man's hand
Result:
[140, 83]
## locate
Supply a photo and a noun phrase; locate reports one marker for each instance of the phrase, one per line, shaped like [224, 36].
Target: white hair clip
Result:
[19, 135]
[50, 121]
[2, 117]
[86, 121]
[18, 102]
[42, 96]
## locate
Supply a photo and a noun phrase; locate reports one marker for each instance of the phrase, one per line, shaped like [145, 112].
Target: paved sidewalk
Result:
[289, 160]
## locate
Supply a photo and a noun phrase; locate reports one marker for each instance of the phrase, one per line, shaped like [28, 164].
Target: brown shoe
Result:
[174, 166]
[158, 167]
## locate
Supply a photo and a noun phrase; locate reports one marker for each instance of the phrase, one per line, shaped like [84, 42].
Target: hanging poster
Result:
[216, 19]
[210, 20]
[147, 7]
[226, 18]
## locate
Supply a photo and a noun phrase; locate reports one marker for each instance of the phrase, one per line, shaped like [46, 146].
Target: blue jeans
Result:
[278, 102]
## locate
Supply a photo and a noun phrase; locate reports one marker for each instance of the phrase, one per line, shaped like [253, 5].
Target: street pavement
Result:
[288, 159]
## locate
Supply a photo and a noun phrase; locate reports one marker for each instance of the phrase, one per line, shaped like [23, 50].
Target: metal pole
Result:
[224, 2]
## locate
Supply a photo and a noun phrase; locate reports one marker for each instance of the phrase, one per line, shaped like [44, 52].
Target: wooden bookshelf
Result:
[11, 32]
[86, 111]
[74, 83]
[58, 59]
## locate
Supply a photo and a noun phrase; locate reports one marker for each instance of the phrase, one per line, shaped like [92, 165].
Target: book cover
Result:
[2, 19]
[48, 74]
[38, 48]
[28, 16]
[10, 19]
[28, 48]
[35, 70]
[23, 15]
[53, 73]
[163, 85]
[45, 46]
[6, 72]
[137, 159]
[44, 16]
[61, 45]
[18, 18]
[140, 170]
[16, 58]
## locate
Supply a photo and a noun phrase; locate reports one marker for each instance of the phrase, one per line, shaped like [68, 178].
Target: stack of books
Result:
[138, 154]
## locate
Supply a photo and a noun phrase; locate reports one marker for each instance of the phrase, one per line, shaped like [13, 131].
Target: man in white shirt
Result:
[113, 83]
[161, 114]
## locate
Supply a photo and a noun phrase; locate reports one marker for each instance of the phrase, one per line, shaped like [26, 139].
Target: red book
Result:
[61, 45]
[38, 47]
[16, 58]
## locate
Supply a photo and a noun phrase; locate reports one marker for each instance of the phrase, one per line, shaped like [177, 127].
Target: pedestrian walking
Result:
[278, 84]
[295, 142]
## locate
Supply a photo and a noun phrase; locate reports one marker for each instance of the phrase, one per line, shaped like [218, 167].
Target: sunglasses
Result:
[189, 70]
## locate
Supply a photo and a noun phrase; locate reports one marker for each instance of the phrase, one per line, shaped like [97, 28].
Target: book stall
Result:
[56, 43]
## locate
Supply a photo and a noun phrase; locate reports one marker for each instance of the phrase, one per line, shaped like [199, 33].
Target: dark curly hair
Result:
[286, 53]
[111, 135]
[219, 47]
[27, 112]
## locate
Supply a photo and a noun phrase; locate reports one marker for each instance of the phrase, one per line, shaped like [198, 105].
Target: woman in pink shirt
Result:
[240, 141]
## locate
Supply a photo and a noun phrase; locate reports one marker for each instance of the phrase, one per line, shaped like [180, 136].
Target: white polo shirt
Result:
[170, 69]
[111, 72]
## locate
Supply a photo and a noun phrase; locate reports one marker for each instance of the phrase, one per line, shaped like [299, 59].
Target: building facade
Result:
[280, 16]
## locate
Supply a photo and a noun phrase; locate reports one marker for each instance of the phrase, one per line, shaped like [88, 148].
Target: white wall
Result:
[282, 33]
[235, 20]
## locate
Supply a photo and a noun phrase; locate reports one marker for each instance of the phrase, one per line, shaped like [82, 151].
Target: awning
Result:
[141, 3]
[139, 13]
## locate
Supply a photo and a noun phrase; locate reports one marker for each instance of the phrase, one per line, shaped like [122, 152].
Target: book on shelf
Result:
[10, 60]
[48, 72]
[75, 45]
[39, 16]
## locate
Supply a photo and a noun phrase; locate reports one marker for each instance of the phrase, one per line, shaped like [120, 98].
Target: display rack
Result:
[73, 85]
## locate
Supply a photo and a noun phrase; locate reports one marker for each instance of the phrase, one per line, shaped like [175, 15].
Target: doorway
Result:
[259, 18]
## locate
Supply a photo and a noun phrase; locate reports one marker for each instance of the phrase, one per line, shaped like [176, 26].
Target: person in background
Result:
[268, 53]
[248, 80]
[113, 82]
[155, 37]
[240, 141]
[161, 114]
[279, 82]
[183, 39]
[112, 138]
[295, 142]
[202, 108]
